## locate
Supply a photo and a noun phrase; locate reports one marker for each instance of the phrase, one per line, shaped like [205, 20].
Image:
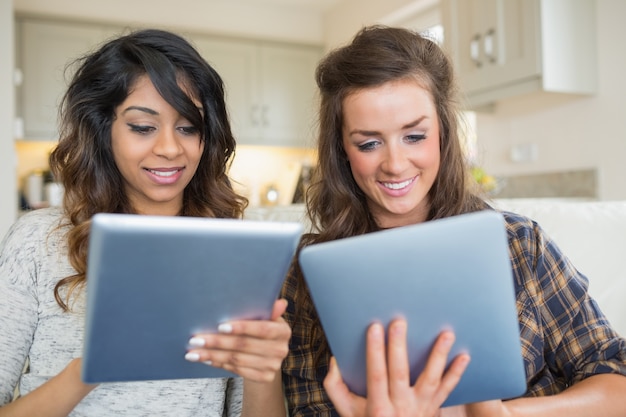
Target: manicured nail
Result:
[208, 363]
[225, 328]
[192, 356]
[196, 342]
[447, 340]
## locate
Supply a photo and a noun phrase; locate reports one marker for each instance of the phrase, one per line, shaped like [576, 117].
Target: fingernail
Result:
[377, 331]
[208, 363]
[197, 342]
[447, 340]
[192, 356]
[398, 327]
[225, 328]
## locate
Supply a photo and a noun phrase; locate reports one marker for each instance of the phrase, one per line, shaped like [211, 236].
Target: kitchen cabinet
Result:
[270, 89]
[46, 49]
[507, 48]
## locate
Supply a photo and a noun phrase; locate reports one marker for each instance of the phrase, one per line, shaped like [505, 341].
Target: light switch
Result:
[524, 152]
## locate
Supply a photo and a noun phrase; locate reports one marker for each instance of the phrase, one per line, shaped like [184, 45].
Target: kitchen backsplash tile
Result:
[564, 184]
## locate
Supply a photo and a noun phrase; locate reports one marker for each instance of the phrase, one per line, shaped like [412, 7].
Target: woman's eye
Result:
[140, 129]
[368, 146]
[415, 138]
[189, 130]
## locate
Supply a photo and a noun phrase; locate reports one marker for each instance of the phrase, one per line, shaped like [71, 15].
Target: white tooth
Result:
[163, 173]
[397, 186]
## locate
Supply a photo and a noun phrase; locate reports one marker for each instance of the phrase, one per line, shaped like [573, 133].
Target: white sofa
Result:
[591, 233]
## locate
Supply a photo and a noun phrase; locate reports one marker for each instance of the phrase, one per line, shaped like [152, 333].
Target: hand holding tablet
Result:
[155, 281]
[449, 274]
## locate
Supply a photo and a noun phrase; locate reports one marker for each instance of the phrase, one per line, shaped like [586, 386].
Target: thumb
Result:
[280, 306]
[346, 403]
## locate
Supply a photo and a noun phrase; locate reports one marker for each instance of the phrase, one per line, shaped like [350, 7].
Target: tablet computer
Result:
[454, 273]
[154, 281]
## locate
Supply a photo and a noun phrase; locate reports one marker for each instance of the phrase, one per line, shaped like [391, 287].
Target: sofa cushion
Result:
[592, 234]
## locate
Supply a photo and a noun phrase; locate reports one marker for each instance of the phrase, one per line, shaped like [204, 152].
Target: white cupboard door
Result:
[270, 89]
[236, 63]
[289, 94]
[498, 41]
[48, 49]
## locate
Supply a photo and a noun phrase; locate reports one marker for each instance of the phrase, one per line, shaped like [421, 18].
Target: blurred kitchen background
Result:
[542, 80]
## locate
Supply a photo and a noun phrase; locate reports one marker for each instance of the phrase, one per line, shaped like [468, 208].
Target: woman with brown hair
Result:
[144, 130]
[389, 156]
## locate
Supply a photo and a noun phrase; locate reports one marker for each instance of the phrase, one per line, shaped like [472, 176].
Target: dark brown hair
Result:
[83, 159]
[377, 55]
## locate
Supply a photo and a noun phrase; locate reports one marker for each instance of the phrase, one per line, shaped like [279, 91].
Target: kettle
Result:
[34, 189]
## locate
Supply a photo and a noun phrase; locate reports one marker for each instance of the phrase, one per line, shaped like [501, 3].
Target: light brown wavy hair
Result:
[83, 159]
[336, 206]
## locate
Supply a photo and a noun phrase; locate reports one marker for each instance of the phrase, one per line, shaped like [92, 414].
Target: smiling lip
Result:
[164, 175]
[395, 186]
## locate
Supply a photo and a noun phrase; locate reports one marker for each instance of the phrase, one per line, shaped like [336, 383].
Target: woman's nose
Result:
[395, 160]
[167, 144]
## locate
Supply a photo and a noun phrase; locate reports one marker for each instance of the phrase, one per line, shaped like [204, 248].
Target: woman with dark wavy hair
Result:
[389, 156]
[144, 130]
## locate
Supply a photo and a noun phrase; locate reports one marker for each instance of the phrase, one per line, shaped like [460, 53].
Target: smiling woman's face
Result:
[391, 138]
[156, 150]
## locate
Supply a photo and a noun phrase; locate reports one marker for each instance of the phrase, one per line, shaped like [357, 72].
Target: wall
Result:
[8, 199]
[570, 134]
[344, 20]
[225, 17]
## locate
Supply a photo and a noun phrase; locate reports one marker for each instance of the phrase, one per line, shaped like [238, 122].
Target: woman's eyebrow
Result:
[364, 132]
[414, 123]
[375, 133]
[143, 109]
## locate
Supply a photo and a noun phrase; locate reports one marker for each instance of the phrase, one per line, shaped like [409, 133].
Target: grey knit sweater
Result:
[33, 258]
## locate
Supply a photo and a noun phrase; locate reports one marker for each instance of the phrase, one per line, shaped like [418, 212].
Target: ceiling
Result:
[287, 20]
[316, 22]
[313, 5]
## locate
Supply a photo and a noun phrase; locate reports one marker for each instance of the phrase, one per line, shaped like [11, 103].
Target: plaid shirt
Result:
[564, 335]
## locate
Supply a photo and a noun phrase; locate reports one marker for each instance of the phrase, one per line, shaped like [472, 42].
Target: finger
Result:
[398, 360]
[250, 368]
[376, 365]
[454, 373]
[346, 403]
[280, 306]
[261, 348]
[277, 329]
[259, 368]
[219, 358]
[429, 380]
[453, 411]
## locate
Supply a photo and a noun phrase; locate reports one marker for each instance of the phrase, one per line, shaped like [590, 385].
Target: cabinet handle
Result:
[264, 119]
[489, 46]
[475, 50]
[254, 115]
